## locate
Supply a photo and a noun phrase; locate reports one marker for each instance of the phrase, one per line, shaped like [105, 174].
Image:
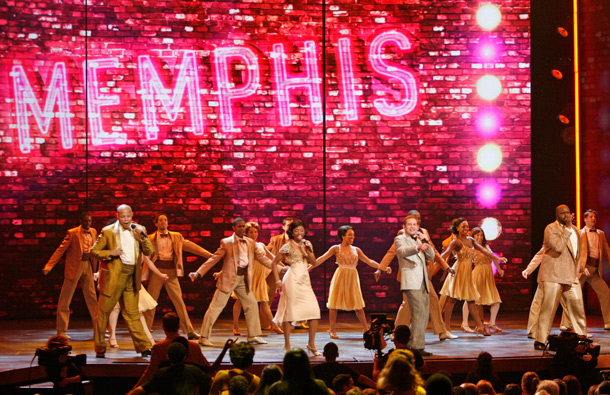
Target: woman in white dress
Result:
[345, 292]
[297, 300]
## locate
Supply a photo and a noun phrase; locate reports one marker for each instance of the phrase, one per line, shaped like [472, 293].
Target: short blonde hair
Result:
[399, 373]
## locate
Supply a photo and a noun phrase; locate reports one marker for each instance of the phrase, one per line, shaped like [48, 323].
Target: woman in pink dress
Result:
[345, 292]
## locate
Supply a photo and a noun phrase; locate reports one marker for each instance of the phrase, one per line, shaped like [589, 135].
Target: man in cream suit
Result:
[120, 248]
[558, 275]
[239, 253]
[77, 247]
[413, 253]
[168, 259]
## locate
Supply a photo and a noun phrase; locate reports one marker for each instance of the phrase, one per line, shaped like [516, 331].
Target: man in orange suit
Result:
[77, 247]
[238, 253]
[168, 259]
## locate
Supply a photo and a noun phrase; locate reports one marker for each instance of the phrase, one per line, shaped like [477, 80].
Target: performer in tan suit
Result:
[403, 317]
[168, 259]
[119, 249]
[595, 247]
[239, 253]
[558, 274]
[77, 247]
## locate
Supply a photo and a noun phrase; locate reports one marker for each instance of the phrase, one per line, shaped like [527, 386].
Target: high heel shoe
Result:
[236, 332]
[277, 330]
[314, 351]
[333, 335]
[467, 329]
[113, 343]
[482, 331]
[495, 328]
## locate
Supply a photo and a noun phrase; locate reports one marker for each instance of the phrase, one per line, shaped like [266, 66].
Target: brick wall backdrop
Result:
[377, 167]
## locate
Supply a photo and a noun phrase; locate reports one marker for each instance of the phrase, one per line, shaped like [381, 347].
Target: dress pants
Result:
[534, 315]
[419, 303]
[601, 289]
[126, 294]
[219, 301]
[84, 276]
[172, 286]
[403, 317]
[551, 295]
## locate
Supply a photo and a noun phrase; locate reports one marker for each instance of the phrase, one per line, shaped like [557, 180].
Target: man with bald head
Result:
[119, 249]
[558, 275]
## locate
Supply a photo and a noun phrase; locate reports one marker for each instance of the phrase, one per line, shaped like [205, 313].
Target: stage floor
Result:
[511, 349]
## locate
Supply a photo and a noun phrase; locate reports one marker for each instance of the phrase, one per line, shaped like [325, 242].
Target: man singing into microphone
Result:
[119, 250]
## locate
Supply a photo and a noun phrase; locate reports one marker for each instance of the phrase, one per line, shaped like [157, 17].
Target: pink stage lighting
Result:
[488, 51]
[488, 121]
[489, 193]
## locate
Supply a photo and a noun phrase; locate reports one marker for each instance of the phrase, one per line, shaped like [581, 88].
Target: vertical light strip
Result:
[576, 111]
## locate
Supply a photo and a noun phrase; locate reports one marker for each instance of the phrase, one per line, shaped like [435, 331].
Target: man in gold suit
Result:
[120, 248]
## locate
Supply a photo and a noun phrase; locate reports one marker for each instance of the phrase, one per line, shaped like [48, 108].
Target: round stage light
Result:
[488, 121]
[489, 157]
[489, 87]
[491, 227]
[489, 17]
[489, 193]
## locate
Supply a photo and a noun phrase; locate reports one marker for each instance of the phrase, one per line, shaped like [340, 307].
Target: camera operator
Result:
[570, 357]
[402, 335]
[62, 368]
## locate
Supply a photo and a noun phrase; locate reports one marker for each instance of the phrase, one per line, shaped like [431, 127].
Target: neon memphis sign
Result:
[187, 87]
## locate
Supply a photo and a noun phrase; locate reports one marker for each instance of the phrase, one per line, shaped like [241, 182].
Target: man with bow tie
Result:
[77, 247]
[558, 275]
[168, 259]
[238, 253]
[413, 251]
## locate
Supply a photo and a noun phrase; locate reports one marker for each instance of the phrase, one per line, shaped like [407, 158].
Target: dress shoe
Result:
[193, 336]
[539, 346]
[424, 353]
[64, 334]
[447, 335]
[332, 334]
[467, 329]
[565, 328]
[482, 331]
[236, 332]
[495, 328]
[113, 343]
[146, 353]
[531, 336]
[278, 330]
[256, 340]
[314, 351]
[100, 355]
[205, 342]
[607, 327]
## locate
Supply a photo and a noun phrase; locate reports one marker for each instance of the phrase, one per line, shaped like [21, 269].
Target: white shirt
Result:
[573, 240]
[128, 245]
[242, 247]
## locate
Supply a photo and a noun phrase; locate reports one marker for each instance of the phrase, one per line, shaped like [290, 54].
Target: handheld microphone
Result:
[423, 239]
[308, 247]
[143, 229]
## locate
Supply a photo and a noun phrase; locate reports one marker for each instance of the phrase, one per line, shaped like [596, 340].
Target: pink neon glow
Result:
[346, 71]
[488, 121]
[489, 193]
[404, 76]
[488, 50]
[25, 97]
[153, 87]
[309, 81]
[227, 92]
[96, 100]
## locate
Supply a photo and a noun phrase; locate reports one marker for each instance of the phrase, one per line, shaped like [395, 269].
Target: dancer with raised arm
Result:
[461, 287]
[297, 300]
[345, 292]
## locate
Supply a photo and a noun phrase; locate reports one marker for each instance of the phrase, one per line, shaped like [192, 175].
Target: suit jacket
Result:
[275, 243]
[411, 263]
[72, 245]
[602, 246]
[229, 251]
[179, 243]
[560, 264]
[110, 268]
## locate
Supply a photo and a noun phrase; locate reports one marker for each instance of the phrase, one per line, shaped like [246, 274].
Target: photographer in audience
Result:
[62, 368]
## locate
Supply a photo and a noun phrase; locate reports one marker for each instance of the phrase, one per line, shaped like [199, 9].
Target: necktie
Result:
[164, 235]
[593, 230]
[414, 238]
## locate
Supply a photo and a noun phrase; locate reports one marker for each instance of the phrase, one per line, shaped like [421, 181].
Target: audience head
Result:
[439, 384]
[184, 342]
[399, 373]
[563, 390]
[512, 389]
[529, 383]
[331, 352]
[242, 355]
[355, 391]
[572, 385]
[469, 389]
[485, 387]
[170, 323]
[603, 388]
[549, 386]
[369, 391]
[297, 369]
[176, 353]
[343, 383]
[270, 375]
[238, 386]
[484, 362]
[402, 335]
